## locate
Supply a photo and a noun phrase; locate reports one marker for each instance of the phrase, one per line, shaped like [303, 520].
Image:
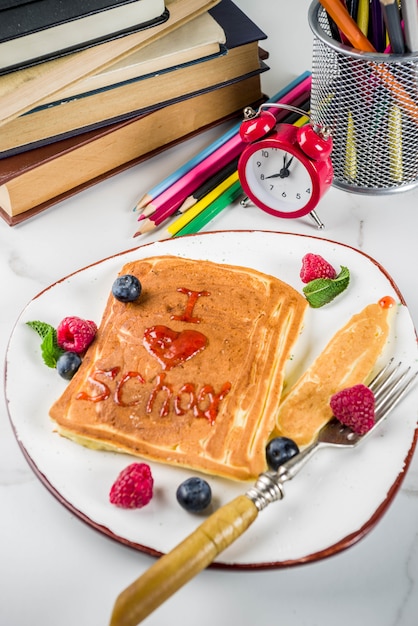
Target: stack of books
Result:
[103, 85]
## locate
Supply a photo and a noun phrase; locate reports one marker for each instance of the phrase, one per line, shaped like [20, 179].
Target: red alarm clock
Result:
[285, 170]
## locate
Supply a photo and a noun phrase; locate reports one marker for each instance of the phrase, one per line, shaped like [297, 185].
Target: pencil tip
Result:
[143, 202]
[187, 204]
[146, 226]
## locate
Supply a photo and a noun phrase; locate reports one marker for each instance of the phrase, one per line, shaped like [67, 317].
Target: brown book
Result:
[37, 179]
[20, 91]
[127, 99]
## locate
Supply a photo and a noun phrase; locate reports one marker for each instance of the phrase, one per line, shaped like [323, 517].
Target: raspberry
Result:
[315, 266]
[75, 334]
[354, 407]
[133, 487]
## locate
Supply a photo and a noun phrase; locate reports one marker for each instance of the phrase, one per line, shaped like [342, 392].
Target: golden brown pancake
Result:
[347, 360]
[191, 373]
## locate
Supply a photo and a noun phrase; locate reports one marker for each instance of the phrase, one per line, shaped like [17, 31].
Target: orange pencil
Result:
[337, 11]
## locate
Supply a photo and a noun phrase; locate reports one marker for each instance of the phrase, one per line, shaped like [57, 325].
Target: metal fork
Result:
[389, 386]
[223, 527]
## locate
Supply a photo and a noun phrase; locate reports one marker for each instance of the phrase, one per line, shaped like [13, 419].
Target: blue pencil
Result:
[175, 176]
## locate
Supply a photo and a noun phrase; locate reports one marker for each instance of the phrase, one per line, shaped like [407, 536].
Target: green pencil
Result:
[228, 196]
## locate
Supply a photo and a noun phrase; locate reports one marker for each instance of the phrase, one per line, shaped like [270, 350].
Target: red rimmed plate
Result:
[336, 499]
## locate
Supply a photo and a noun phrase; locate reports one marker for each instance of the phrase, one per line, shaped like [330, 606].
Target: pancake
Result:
[347, 360]
[190, 374]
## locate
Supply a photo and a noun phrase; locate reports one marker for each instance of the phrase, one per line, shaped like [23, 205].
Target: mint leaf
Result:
[323, 290]
[50, 349]
[42, 328]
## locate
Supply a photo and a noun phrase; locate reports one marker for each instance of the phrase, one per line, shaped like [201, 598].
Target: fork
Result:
[225, 525]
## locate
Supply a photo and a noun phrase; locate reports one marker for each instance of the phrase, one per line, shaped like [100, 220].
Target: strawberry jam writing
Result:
[193, 297]
[203, 402]
[172, 348]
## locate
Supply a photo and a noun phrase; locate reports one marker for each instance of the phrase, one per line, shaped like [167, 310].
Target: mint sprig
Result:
[321, 291]
[50, 349]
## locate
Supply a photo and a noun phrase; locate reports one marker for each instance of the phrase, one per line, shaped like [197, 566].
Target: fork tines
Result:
[389, 386]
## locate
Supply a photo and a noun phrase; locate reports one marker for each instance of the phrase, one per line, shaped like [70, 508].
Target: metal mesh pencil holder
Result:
[370, 103]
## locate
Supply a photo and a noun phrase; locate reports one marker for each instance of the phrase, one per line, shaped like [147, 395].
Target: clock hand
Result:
[284, 172]
[286, 165]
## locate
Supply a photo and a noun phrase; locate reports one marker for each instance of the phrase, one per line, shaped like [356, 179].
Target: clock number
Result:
[308, 190]
[258, 163]
[265, 154]
[298, 196]
[284, 194]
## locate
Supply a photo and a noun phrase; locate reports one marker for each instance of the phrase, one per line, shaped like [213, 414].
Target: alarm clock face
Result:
[278, 179]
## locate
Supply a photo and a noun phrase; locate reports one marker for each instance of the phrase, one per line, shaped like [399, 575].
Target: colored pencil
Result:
[208, 186]
[186, 167]
[350, 166]
[363, 16]
[174, 197]
[169, 201]
[377, 25]
[410, 20]
[392, 20]
[202, 204]
[181, 171]
[352, 8]
[203, 218]
[395, 143]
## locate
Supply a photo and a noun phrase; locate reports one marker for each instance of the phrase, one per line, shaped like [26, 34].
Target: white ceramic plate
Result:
[332, 503]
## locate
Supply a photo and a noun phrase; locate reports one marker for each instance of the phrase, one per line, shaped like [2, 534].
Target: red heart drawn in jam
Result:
[172, 348]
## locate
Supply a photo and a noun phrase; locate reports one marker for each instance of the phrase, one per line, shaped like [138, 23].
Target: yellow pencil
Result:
[187, 217]
[395, 144]
[363, 16]
[302, 120]
[350, 166]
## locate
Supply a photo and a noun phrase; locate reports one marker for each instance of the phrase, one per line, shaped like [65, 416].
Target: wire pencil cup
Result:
[370, 103]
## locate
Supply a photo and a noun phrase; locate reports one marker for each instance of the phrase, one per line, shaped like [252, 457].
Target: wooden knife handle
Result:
[177, 567]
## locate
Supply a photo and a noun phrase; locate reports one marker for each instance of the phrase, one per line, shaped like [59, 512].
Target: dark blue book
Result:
[32, 31]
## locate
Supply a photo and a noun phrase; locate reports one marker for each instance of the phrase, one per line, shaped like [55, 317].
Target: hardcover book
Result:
[35, 30]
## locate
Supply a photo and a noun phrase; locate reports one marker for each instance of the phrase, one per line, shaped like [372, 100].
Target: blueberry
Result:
[279, 450]
[126, 288]
[194, 494]
[67, 364]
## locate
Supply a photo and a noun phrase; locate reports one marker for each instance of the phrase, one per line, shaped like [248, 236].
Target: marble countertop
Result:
[56, 570]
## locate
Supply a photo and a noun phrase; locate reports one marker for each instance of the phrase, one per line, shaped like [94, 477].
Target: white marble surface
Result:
[57, 571]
